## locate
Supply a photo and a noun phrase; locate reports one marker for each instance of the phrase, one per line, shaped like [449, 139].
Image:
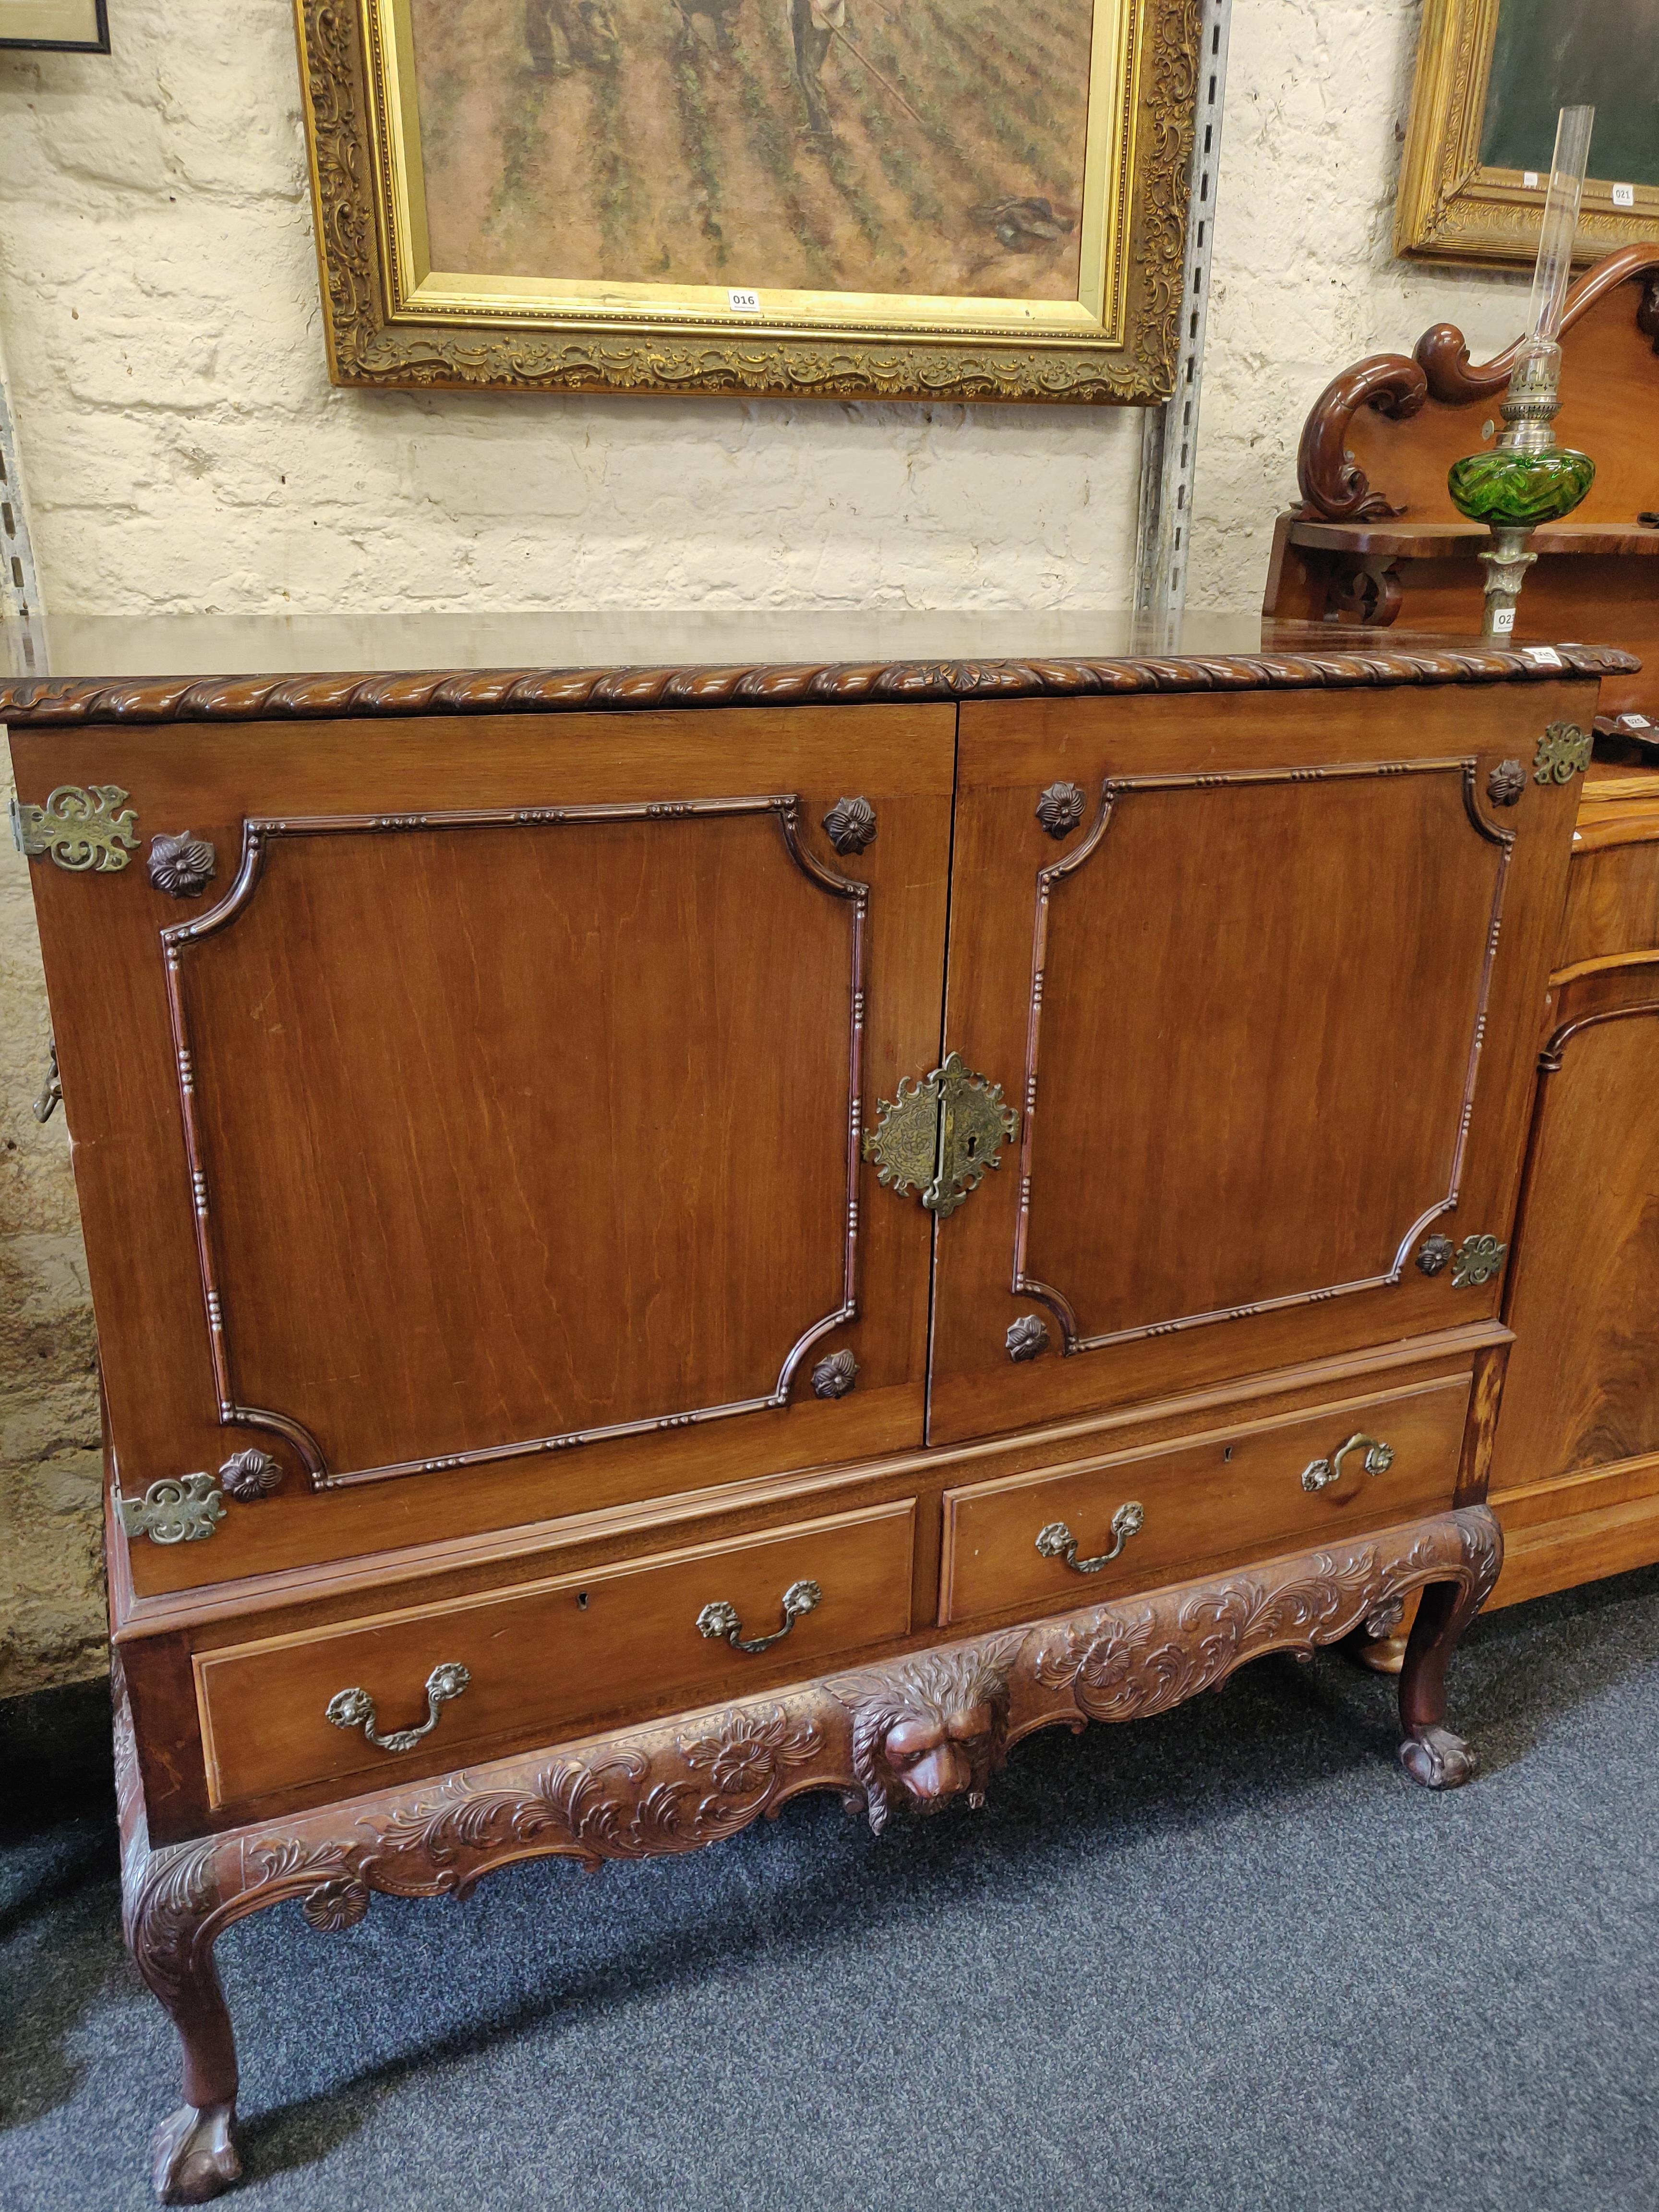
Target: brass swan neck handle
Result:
[1056, 1542]
[354, 1708]
[721, 1618]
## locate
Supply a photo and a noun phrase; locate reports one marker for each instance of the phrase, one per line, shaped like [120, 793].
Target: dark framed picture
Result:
[846, 199]
[68, 26]
[1491, 77]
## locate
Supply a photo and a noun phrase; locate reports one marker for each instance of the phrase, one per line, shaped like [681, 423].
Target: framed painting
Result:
[70, 26]
[847, 199]
[1491, 75]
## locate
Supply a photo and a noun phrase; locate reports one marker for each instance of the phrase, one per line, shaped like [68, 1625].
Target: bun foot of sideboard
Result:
[193, 2154]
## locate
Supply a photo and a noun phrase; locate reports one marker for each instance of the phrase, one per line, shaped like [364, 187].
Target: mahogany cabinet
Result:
[1575, 1462]
[662, 1237]
[1375, 542]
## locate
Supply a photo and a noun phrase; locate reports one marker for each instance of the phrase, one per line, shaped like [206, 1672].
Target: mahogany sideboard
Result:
[667, 1236]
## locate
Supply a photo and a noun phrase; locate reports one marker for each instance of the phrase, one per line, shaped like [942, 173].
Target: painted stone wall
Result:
[183, 449]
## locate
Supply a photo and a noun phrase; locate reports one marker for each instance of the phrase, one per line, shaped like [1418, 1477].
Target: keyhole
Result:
[1228, 1453]
[581, 1600]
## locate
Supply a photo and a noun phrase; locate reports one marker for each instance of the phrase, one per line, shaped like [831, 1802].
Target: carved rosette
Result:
[181, 866]
[850, 824]
[250, 1475]
[334, 1906]
[1027, 1337]
[1434, 1254]
[834, 1375]
[1060, 809]
[1506, 783]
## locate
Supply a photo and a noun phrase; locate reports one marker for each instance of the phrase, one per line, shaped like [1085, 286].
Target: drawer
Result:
[1235, 1492]
[544, 1659]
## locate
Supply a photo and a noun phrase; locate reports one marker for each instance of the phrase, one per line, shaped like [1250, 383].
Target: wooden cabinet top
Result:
[200, 667]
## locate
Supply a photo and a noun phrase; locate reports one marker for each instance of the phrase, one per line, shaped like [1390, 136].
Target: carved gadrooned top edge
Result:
[39, 704]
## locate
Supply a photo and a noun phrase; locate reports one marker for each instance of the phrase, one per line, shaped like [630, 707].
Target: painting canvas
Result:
[1551, 54]
[1492, 78]
[701, 193]
[886, 146]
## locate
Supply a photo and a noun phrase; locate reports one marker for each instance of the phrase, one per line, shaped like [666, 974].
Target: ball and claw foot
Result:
[193, 2154]
[1437, 1759]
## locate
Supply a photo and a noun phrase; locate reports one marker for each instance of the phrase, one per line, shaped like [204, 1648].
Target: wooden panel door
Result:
[1269, 1008]
[482, 1143]
[1581, 1391]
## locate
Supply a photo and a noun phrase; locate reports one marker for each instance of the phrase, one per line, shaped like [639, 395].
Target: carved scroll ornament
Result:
[1334, 489]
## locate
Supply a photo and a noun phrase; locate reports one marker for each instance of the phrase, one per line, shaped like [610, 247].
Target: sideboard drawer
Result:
[546, 1658]
[1232, 1493]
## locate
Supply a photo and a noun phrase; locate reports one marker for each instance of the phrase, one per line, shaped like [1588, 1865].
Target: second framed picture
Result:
[1491, 77]
[853, 198]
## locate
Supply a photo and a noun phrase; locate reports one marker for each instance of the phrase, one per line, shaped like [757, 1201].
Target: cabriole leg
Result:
[170, 1930]
[1429, 1751]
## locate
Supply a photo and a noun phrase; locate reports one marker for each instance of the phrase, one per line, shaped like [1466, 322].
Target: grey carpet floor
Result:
[1228, 1959]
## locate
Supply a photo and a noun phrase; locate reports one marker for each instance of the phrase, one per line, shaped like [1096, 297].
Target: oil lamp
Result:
[1526, 478]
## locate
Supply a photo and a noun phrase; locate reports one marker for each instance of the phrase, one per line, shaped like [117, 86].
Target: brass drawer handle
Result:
[721, 1618]
[1056, 1542]
[1321, 1474]
[350, 1709]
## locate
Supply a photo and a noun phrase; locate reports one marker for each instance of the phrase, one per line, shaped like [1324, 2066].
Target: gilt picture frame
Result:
[853, 199]
[1490, 77]
[58, 27]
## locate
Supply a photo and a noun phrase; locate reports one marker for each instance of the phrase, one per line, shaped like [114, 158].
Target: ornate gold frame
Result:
[393, 321]
[1450, 207]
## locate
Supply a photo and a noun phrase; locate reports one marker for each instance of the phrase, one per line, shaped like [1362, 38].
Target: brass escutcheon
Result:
[939, 1134]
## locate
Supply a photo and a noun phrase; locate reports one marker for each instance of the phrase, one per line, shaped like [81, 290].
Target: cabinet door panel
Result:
[500, 1095]
[1581, 1390]
[1268, 1012]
